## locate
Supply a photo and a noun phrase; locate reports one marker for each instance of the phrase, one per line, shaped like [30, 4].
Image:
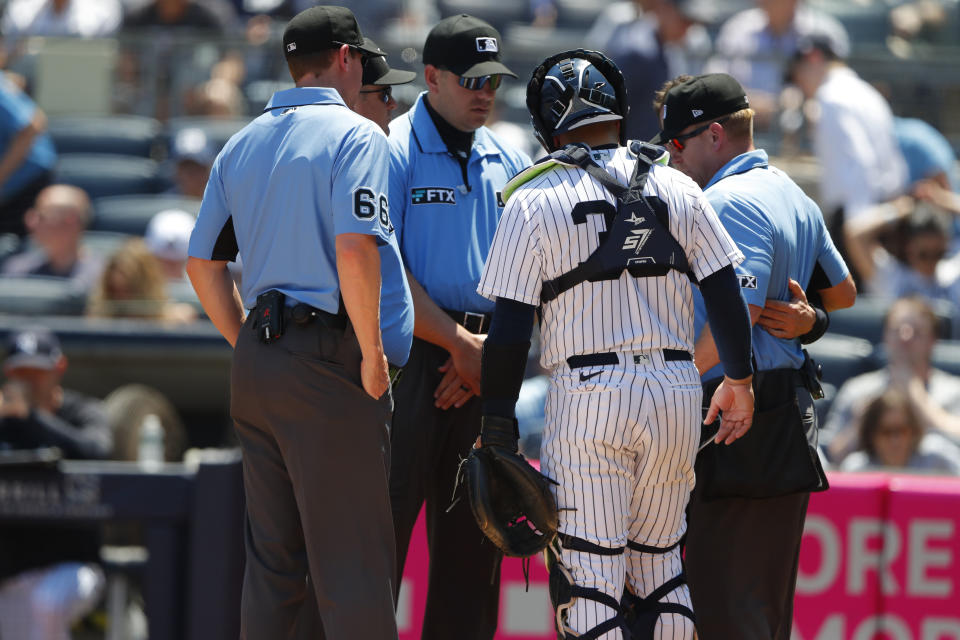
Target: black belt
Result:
[302, 313]
[472, 322]
[610, 357]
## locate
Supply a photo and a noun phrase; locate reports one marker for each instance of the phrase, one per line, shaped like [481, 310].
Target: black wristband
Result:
[497, 431]
[820, 326]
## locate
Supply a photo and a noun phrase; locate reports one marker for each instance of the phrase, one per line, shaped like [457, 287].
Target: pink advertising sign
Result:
[880, 560]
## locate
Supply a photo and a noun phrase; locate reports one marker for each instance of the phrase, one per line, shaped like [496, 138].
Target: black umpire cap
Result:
[467, 46]
[700, 99]
[321, 28]
[378, 72]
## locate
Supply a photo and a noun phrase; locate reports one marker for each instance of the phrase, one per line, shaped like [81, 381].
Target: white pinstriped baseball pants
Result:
[42, 604]
[622, 445]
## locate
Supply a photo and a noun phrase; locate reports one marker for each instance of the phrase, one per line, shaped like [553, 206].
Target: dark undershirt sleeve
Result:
[729, 320]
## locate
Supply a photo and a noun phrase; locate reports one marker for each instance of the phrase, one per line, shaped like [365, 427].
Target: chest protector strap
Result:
[638, 237]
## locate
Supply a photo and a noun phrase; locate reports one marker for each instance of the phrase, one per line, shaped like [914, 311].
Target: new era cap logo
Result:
[487, 45]
[291, 47]
[697, 113]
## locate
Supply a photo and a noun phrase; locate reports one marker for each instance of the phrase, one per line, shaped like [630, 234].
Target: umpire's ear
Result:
[431, 75]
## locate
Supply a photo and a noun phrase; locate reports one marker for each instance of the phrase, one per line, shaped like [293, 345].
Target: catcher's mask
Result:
[572, 89]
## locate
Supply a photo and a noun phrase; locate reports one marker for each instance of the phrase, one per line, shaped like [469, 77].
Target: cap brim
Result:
[488, 68]
[395, 76]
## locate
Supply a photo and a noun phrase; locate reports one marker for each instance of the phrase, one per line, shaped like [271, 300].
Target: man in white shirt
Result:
[854, 137]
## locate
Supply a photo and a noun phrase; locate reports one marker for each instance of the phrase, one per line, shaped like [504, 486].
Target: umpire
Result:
[302, 193]
[446, 174]
[747, 511]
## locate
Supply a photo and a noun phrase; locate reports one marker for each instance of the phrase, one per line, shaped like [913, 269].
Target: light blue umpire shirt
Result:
[445, 225]
[782, 235]
[305, 171]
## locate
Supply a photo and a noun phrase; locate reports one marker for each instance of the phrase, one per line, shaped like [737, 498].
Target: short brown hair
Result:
[661, 95]
[739, 125]
[311, 63]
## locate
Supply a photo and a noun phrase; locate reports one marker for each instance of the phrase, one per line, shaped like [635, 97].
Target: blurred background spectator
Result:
[193, 154]
[133, 285]
[918, 234]
[73, 18]
[56, 224]
[27, 156]
[664, 40]
[891, 436]
[181, 14]
[854, 140]
[755, 45]
[49, 577]
[911, 330]
[167, 237]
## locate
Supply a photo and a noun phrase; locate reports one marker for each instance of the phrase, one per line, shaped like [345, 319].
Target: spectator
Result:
[167, 238]
[664, 41]
[854, 137]
[215, 98]
[56, 224]
[920, 233]
[193, 154]
[48, 574]
[27, 156]
[186, 14]
[81, 18]
[892, 436]
[910, 333]
[755, 45]
[132, 285]
[931, 167]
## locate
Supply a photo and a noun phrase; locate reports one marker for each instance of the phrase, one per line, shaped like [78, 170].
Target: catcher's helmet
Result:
[572, 89]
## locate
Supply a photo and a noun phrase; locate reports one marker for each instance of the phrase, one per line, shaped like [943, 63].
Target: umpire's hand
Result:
[733, 400]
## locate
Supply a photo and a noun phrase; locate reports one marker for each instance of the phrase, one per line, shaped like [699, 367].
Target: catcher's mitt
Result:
[511, 501]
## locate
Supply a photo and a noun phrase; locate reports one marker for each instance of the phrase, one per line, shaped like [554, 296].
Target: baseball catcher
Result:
[606, 242]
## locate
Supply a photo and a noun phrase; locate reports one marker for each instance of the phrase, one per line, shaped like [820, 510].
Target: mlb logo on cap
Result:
[487, 45]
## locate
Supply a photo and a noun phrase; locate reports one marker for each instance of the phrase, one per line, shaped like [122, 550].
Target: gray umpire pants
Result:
[316, 452]
[742, 556]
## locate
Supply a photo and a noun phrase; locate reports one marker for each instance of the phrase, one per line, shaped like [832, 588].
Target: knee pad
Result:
[564, 592]
[640, 615]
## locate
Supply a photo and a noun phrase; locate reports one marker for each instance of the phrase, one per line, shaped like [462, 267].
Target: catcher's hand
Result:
[510, 500]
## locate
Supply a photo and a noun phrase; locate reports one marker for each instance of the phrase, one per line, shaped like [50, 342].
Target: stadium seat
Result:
[842, 357]
[103, 243]
[863, 320]
[946, 356]
[132, 213]
[40, 295]
[109, 174]
[121, 134]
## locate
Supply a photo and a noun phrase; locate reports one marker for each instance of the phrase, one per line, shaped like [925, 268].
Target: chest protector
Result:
[638, 237]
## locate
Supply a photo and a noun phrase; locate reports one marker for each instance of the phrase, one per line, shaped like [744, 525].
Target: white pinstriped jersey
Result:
[537, 240]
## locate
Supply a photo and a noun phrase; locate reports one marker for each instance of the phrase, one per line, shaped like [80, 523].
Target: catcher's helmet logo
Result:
[487, 45]
[291, 47]
[636, 239]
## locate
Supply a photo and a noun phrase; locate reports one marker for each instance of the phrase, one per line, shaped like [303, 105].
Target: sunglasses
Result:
[677, 141]
[386, 93]
[476, 84]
